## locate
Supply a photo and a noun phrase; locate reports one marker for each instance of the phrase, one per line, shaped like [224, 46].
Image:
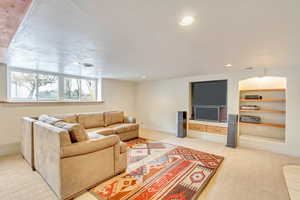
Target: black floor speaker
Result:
[181, 124]
[232, 131]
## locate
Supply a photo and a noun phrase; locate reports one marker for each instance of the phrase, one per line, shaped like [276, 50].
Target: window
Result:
[27, 85]
[71, 89]
[23, 85]
[80, 89]
[47, 87]
[88, 89]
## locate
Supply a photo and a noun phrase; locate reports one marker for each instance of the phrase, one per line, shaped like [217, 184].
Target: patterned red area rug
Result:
[141, 148]
[180, 174]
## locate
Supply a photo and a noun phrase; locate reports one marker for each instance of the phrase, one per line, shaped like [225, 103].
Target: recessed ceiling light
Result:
[186, 21]
[228, 65]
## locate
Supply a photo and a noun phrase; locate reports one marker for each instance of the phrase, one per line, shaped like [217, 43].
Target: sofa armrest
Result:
[48, 140]
[89, 146]
[27, 139]
[123, 147]
[128, 119]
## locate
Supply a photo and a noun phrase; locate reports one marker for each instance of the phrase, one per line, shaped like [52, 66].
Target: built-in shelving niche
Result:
[272, 108]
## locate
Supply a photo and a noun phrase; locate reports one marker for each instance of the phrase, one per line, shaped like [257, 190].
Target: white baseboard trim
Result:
[158, 130]
[276, 147]
[8, 149]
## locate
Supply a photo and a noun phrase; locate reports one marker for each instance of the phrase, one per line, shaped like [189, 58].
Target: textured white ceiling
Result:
[130, 38]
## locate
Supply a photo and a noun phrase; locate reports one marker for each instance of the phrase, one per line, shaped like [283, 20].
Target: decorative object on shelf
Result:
[253, 97]
[264, 100]
[264, 111]
[250, 119]
[250, 107]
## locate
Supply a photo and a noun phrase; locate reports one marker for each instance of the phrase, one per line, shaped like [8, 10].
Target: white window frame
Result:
[61, 88]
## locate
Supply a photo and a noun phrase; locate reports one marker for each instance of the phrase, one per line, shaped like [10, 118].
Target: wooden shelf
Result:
[265, 90]
[263, 100]
[264, 124]
[266, 111]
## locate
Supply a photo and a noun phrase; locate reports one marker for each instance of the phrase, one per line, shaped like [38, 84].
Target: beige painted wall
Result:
[3, 52]
[117, 95]
[159, 101]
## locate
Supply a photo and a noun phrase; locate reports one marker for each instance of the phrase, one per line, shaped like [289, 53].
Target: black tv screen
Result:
[209, 93]
[210, 114]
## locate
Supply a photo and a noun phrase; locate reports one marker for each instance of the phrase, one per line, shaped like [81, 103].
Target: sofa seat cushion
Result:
[113, 117]
[91, 120]
[101, 131]
[89, 146]
[93, 135]
[123, 127]
[123, 147]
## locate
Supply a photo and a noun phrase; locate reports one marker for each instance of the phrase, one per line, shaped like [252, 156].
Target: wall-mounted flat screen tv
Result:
[209, 93]
[209, 100]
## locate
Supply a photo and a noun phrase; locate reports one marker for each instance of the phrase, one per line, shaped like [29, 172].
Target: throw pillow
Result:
[76, 131]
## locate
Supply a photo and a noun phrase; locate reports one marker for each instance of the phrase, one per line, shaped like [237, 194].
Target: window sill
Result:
[49, 102]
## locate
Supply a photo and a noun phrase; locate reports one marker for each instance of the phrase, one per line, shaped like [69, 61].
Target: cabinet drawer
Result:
[197, 127]
[208, 129]
[216, 129]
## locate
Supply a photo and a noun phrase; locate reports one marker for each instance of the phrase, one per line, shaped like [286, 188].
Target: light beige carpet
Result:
[292, 178]
[19, 182]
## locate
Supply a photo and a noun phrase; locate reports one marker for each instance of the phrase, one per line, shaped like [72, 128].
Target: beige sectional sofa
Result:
[74, 152]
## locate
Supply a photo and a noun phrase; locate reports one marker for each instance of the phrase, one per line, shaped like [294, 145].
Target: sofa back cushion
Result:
[91, 120]
[113, 117]
[76, 131]
[49, 119]
[69, 118]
